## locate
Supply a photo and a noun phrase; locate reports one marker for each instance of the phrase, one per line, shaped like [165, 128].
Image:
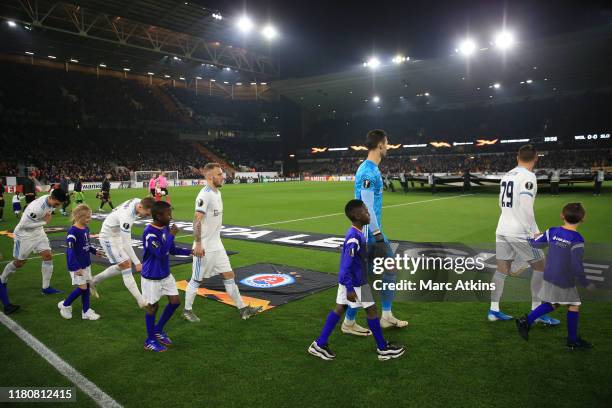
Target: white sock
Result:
[499, 279]
[190, 294]
[537, 278]
[47, 271]
[109, 272]
[130, 284]
[232, 289]
[8, 269]
[386, 314]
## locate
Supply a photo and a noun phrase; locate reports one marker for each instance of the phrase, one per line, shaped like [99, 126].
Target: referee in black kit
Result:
[104, 194]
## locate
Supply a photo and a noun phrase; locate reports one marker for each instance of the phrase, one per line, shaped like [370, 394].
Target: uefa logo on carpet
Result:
[268, 280]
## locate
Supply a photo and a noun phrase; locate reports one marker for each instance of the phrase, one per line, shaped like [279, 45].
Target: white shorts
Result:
[81, 280]
[211, 264]
[153, 290]
[113, 248]
[552, 293]
[364, 296]
[519, 249]
[24, 246]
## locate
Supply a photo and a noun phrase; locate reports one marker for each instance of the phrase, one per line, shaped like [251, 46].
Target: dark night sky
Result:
[326, 36]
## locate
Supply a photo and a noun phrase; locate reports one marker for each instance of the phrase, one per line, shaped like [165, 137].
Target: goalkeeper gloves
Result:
[380, 249]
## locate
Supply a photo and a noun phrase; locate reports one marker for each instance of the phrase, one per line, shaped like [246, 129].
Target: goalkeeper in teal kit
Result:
[369, 188]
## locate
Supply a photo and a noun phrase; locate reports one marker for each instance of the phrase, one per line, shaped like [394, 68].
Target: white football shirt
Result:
[210, 204]
[32, 221]
[120, 220]
[518, 189]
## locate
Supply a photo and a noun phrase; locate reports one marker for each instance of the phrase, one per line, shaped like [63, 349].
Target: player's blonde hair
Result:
[80, 212]
[209, 166]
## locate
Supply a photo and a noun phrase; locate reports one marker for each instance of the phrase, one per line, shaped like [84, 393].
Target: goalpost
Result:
[141, 178]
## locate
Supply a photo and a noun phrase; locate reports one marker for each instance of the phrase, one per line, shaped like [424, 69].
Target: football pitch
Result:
[455, 357]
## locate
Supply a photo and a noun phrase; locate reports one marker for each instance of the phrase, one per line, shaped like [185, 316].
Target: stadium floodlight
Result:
[29, 52]
[213, 80]
[217, 16]
[372, 63]
[103, 65]
[245, 24]
[467, 47]
[376, 99]
[150, 73]
[238, 83]
[426, 94]
[225, 82]
[398, 59]
[496, 85]
[182, 78]
[529, 81]
[126, 69]
[198, 77]
[263, 83]
[504, 40]
[269, 32]
[166, 76]
[11, 23]
[52, 56]
[253, 83]
[76, 61]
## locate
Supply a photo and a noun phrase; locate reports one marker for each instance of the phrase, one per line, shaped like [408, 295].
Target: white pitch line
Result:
[100, 397]
[341, 213]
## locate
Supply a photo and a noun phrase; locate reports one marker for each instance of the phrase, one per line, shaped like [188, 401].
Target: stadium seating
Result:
[110, 125]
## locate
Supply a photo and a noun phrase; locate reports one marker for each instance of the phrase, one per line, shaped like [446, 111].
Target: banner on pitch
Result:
[267, 285]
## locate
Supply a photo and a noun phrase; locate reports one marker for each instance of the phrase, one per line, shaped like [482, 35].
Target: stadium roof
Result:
[141, 32]
[566, 64]
[176, 15]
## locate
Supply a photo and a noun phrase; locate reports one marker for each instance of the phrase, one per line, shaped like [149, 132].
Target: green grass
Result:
[455, 357]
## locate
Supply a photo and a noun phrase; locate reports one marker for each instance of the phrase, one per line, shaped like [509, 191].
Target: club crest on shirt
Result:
[32, 215]
[155, 244]
[366, 183]
[529, 185]
[126, 226]
[200, 202]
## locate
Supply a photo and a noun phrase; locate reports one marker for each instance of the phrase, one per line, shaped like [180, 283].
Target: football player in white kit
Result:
[210, 258]
[116, 241]
[517, 224]
[29, 236]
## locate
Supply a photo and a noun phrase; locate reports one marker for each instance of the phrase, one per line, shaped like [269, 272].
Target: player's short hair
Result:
[158, 208]
[59, 195]
[80, 212]
[374, 137]
[351, 208]
[573, 213]
[147, 203]
[209, 166]
[527, 153]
